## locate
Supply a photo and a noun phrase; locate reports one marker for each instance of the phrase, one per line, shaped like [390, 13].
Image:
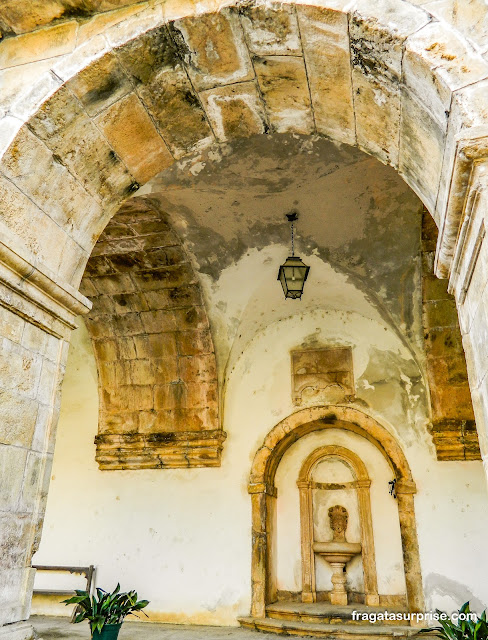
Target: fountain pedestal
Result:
[338, 552]
[339, 593]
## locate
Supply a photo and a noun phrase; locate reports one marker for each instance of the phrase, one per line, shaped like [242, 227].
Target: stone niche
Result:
[322, 375]
[336, 527]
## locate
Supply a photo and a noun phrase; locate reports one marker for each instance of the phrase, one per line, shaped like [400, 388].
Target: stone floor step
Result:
[331, 631]
[325, 613]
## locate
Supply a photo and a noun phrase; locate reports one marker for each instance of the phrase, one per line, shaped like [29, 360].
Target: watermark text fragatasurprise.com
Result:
[427, 616]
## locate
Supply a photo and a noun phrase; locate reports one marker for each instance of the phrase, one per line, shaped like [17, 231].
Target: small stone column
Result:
[261, 496]
[308, 559]
[372, 599]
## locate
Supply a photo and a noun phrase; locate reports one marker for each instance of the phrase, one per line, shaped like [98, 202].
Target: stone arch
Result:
[142, 93]
[263, 493]
[158, 388]
[306, 421]
[352, 460]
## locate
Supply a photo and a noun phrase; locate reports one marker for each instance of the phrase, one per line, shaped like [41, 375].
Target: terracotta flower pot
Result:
[108, 632]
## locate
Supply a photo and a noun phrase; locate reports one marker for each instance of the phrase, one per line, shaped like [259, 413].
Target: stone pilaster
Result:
[36, 317]
[468, 279]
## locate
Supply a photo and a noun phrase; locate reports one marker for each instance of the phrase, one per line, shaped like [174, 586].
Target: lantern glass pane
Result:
[292, 275]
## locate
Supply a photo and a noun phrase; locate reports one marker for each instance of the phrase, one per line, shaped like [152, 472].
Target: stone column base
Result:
[18, 631]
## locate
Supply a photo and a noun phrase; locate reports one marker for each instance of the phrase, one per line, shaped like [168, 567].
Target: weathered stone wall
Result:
[468, 282]
[31, 367]
[453, 424]
[36, 318]
[156, 361]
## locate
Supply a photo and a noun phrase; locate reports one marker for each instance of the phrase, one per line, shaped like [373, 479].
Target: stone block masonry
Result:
[453, 424]
[158, 386]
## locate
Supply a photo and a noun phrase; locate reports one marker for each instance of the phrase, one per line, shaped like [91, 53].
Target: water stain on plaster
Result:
[437, 585]
[395, 387]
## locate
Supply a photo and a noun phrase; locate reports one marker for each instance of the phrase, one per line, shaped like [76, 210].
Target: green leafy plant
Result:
[106, 608]
[463, 628]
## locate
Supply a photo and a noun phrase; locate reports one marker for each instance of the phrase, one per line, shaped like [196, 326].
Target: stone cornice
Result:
[31, 292]
[163, 450]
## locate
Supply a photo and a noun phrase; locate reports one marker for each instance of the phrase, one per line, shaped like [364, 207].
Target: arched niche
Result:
[362, 483]
[157, 371]
[263, 494]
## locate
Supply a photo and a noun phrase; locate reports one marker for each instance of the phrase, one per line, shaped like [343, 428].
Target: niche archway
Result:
[263, 494]
[151, 334]
[306, 486]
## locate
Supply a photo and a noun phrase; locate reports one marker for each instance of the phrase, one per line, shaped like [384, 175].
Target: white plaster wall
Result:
[182, 537]
[160, 533]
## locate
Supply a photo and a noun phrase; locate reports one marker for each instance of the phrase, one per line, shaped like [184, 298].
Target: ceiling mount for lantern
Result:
[293, 272]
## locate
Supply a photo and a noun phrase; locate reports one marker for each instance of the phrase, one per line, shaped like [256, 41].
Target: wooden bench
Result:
[88, 572]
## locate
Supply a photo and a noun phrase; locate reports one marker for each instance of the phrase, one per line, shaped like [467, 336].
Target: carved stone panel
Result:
[322, 375]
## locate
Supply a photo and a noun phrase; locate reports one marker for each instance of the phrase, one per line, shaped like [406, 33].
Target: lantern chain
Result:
[292, 218]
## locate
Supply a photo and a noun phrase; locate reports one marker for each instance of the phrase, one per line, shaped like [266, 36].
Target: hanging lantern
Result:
[293, 272]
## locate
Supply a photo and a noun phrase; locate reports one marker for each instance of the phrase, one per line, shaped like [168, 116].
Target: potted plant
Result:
[106, 611]
[460, 626]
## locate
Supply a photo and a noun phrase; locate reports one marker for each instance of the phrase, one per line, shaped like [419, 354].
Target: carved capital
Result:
[471, 151]
[262, 487]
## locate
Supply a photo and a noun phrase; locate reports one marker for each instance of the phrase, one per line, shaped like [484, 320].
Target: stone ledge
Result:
[456, 440]
[17, 631]
[164, 450]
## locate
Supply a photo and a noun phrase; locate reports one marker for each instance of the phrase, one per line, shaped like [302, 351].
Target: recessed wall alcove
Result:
[332, 478]
[338, 456]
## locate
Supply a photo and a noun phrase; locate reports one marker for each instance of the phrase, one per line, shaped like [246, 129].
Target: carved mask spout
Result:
[338, 522]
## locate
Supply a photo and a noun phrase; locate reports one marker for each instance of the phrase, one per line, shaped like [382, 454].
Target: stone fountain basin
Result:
[335, 551]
